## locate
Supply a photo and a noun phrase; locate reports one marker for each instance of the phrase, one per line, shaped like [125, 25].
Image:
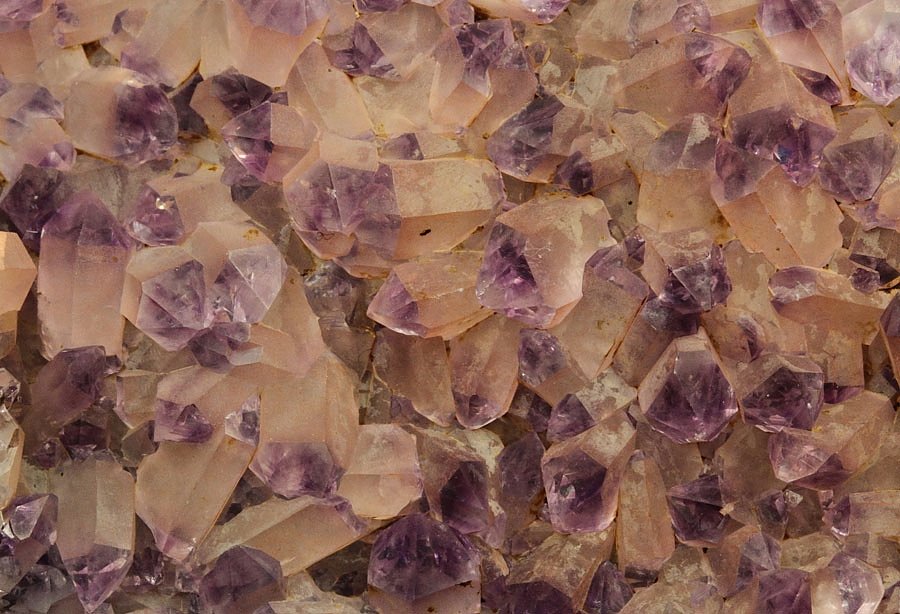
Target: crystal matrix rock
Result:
[517, 279]
[417, 556]
[95, 531]
[82, 241]
[686, 395]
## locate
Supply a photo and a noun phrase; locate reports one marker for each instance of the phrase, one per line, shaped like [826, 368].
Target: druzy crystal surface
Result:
[449, 306]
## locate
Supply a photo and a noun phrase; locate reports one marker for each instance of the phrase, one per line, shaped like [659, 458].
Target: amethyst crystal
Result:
[537, 598]
[540, 356]
[696, 510]
[250, 280]
[30, 201]
[576, 174]
[854, 170]
[223, 346]
[719, 67]
[482, 43]
[27, 534]
[174, 422]
[739, 170]
[288, 16]
[173, 306]
[417, 556]
[609, 591]
[463, 499]
[790, 395]
[65, 387]
[146, 123]
[17, 14]
[155, 219]
[569, 417]
[243, 423]
[519, 466]
[785, 591]
[296, 469]
[378, 6]
[522, 143]
[364, 57]
[239, 93]
[574, 486]
[890, 319]
[872, 65]
[698, 286]
[241, 579]
[97, 574]
[818, 84]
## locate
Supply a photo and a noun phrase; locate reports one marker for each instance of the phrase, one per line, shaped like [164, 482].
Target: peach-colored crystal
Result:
[644, 537]
[17, 272]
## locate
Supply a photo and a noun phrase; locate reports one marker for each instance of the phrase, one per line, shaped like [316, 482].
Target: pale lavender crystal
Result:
[331, 290]
[174, 422]
[146, 123]
[540, 356]
[363, 56]
[695, 403]
[576, 174]
[787, 398]
[569, 417]
[28, 531]
[522, 143]
[859, 584]
[537, 598]
[785, 591]
[69, 383]
[464, 498]
[482, 43]
[696, 511]
[173, 306]
[287, 16]
[295, 469]
[97, 574]
[519, 466]
[250, 280]
[759, 554]
[378, 6]
[239, 93]
[30, 201]
[873, 66]
[819, 84]
[505, 281]
[609, 591]
[241, 580]
[698, 286]
[243, 423]
[662, 316]
[719, 67]
[155, 219]
[18, 14]
[890, 319]
[739, 170]
[804, 464]
[249, 137]
[403, 147]
[223, 346]
[853, 171]
[778, 134]
[692, 15]
[418, 556]
[780, 16]
[574, 484]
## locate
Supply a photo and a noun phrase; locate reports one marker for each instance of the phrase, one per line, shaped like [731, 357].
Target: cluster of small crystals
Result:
[449, 306]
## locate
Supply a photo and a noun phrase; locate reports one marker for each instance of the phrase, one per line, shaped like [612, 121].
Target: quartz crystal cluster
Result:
[449, 306]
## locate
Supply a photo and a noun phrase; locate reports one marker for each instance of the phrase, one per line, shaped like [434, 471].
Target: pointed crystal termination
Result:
[82, 241]
[535, 256]
[696, 510]
[155, 219]
[65, 387]
[243, 423]
[241, 580]
[95, 530]
[778, 391]
[249, 282]
[872, 41]
[269, 139]
[847, 585]
[430, 298]
[174, 422]
[365, 57]
[685, 396]
[859, 158]
[519, 467]
[287, 16]
[417, 556]
[582, 474]
[18, 14]
[173, 306]
[28, 531]
[30, 202]
[609, 591]
[143, 123]
[17, 272]
[296, 469]
[784, 591]
[464, 498]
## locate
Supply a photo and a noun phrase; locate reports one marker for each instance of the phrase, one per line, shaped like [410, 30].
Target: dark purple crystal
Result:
[174, 422]
[30, 201]
[155, 219]
[574, 483]
[609, 591]
[519, 465]
[521, 144]
[463, 499]
[296, 469]
[569, 417]
[696, 510]
[288, 16]
[242, 579]
[363, 56]
[418, 556]
[146, 123]
[540, 356]
[785, 591]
